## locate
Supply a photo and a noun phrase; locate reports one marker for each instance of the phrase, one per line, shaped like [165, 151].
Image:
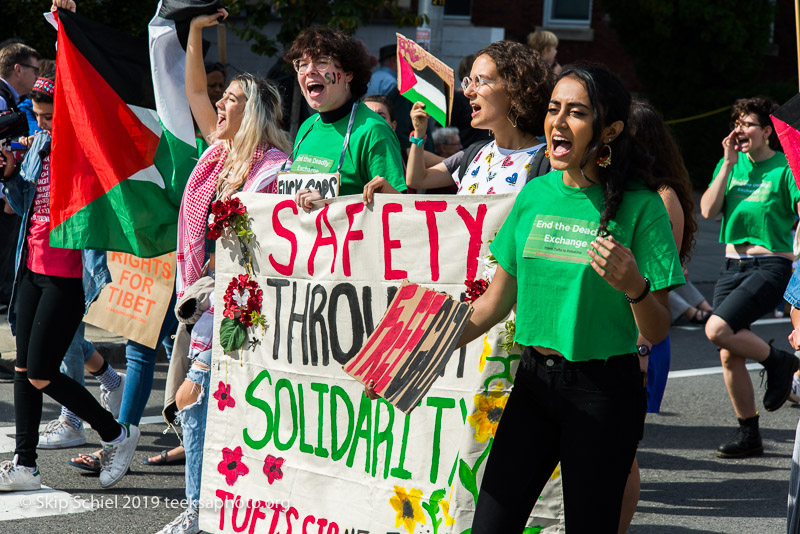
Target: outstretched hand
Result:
[63, 4]
[419, 118]
[204, 21]
[306, 197]
[379, 184]
[615, 263]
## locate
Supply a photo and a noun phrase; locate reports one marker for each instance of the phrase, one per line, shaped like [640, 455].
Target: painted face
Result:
[750, 135]
[490, 102]
[383, 111]
[215, 84]
[324, 90]
[44, 115]
[230, 111]
[568, 124]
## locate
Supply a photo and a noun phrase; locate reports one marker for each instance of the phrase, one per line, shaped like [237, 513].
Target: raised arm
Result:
[417, 176]
[713, 199]
[202, 108]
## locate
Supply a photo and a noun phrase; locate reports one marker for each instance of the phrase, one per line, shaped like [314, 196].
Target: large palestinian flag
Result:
[786, 120]
[421, 77]
[119, 167]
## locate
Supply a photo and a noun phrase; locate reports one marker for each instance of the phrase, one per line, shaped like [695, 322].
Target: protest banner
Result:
[135, 303]
[292, 442]
[327, 183]
[423, 77]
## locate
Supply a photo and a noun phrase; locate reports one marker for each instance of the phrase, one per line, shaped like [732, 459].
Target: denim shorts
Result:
[792, 295]
[749, 288]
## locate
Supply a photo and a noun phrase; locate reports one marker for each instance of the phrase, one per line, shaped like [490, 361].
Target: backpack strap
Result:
[539, 166]
[469, 154]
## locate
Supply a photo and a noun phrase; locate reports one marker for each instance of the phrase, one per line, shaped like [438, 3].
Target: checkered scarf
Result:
[200, 192]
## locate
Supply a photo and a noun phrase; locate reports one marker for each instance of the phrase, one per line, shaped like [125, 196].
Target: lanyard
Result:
[346, 138]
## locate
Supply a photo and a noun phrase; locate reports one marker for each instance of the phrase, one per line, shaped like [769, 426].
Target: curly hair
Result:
[647, 125]
[529, 82]
[611, 102]
[349, 53]
[762, 107]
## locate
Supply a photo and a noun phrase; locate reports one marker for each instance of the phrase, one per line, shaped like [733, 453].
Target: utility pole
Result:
[429, 35]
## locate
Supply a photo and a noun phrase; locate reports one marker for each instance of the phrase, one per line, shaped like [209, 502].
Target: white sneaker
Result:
[15, 477]
[59, 434]
[112, 400]
[115, 458]
[186, 523]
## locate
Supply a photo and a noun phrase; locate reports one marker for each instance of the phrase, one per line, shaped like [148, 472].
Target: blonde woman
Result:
[546, 43]
[247, 148]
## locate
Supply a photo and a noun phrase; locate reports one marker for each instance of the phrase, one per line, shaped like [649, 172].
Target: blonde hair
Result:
[260, 124]
[541, 39]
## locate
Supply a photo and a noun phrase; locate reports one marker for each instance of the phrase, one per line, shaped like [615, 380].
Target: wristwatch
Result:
[644, 350]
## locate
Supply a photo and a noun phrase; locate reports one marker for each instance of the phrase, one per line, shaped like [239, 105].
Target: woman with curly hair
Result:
[508, 89]
[345, 136]
[755, 191]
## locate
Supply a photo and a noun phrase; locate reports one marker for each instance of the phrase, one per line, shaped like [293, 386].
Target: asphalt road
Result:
[685, 488]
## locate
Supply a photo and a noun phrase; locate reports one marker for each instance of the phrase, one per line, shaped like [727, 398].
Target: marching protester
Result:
[755, 191]
[508, 89]
[577, 317]
[246, 150]
[344, 137]
[670, 179]
[47, 306]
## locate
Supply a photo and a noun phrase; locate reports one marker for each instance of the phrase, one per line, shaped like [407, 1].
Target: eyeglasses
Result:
[743, 125]
[35, 69]
[478, 82]
[322, 63]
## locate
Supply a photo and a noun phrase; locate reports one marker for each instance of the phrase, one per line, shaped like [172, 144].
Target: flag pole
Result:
[222, 44]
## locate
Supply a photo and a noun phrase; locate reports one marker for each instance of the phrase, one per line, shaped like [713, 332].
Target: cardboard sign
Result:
[327, 183]
[292, 443]
[411, 346]
[135, 303]
[422, 77]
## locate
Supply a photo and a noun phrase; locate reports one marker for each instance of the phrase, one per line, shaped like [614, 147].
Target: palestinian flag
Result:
[786, 120]
[424, 79]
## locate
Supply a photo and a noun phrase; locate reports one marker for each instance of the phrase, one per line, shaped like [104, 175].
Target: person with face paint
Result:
[587, 256]
[755, 191]
[246, 150]
[345, 136]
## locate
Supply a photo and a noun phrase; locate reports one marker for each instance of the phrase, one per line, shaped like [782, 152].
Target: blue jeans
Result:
[193, 423]
[792, 294]
[79, 351]
[141, 365]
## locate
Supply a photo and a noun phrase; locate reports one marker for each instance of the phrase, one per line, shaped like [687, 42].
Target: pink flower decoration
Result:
[231, 465]
[272, 468]
[223, 395]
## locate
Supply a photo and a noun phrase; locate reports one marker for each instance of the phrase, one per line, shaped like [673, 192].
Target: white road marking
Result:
[760, 322]
[708, 371]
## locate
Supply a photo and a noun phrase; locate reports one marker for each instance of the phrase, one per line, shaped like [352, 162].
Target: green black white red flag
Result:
[421, 77]
[786, 120]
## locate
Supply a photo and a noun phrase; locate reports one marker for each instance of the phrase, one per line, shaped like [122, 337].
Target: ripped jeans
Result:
[193, 417]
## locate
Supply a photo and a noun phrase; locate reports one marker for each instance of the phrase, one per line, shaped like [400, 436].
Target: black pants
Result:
[587, 415]
[49, 310]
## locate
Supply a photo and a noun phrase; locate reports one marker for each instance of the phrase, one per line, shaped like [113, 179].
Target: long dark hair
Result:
[611, 102]
[647, 125]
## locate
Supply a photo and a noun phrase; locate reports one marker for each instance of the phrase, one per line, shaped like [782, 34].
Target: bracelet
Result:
[641, 297]
[416, 140]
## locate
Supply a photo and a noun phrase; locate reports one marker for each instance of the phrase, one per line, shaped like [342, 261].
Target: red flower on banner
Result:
[231, 465]
[475, 288]
[243, 300]
[223, 396]
[228, 213]
[272, 468]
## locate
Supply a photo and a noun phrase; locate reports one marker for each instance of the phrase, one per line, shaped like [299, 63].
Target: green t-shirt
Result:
[562, 303]
[760, 203]
[373, 150]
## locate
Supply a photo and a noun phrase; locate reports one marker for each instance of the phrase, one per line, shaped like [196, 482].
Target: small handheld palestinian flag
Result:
[421, 77]
[786, 120]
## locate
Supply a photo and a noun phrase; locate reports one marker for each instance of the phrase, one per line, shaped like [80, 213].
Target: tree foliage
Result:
[23, 19]
[296, 15]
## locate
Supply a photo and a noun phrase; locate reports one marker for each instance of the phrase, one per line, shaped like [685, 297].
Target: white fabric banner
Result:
[292, 443]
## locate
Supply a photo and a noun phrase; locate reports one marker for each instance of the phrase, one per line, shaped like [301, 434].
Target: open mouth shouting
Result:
[561, 146]
[314, 88]
[476, 108]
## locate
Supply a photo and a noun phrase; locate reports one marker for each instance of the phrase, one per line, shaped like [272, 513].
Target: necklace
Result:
[500, 158]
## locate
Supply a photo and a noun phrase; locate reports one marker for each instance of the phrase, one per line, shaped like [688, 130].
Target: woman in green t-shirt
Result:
[587, 255]
[758, 198]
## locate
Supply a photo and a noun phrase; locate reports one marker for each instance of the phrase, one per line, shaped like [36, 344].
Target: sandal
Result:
[87, 462]
[164, 459]
[700, 316]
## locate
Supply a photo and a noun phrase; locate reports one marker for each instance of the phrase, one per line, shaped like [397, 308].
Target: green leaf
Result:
[232, 334]
[467, 478]
[533, 530]
[437, 495]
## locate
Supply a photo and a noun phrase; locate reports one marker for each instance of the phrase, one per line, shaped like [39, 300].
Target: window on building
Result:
[459, 8]
[567, 13]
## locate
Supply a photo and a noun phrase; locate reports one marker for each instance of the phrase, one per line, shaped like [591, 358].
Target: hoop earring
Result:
[514, 121]
[604, 160]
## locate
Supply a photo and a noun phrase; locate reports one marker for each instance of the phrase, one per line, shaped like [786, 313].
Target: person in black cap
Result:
[385, 78]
